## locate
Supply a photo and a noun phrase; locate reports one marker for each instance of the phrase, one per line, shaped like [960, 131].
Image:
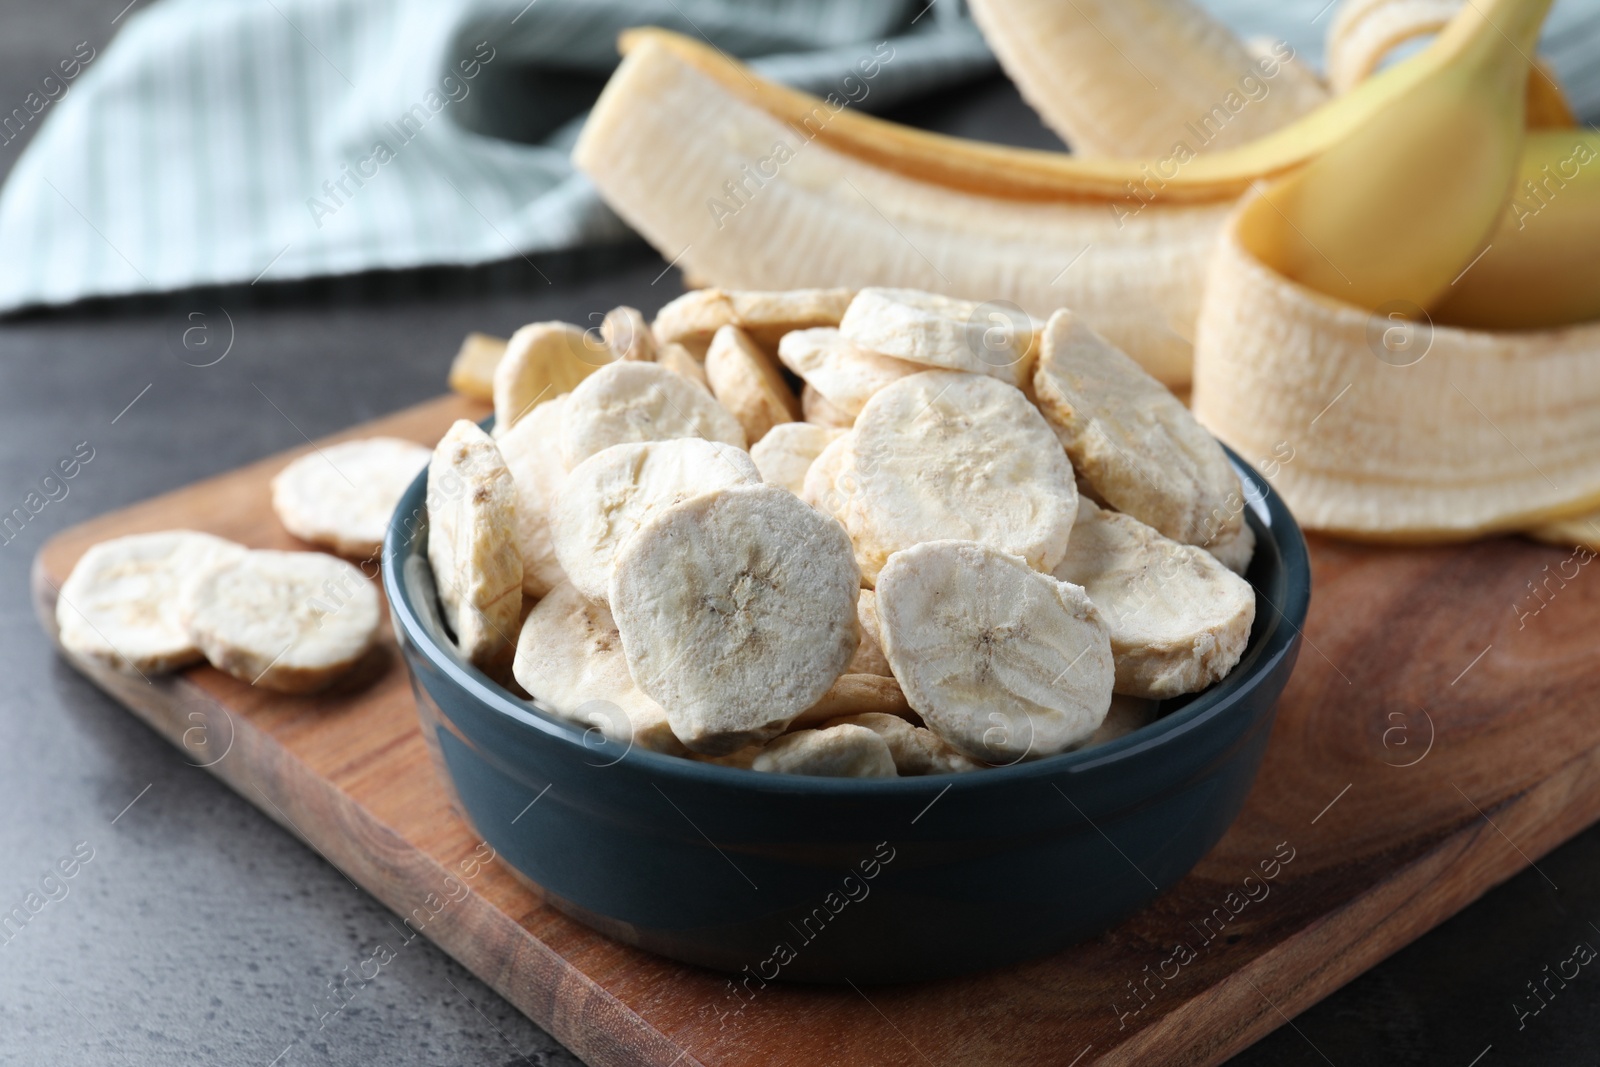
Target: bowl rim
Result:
[1262, 506]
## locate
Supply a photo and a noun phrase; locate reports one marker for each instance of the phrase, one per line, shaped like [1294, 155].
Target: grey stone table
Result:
[197, 931]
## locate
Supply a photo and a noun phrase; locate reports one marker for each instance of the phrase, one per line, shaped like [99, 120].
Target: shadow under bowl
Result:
[782, 877]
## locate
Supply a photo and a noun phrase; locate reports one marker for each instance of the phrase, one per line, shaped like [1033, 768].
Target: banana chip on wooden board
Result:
[341, 497]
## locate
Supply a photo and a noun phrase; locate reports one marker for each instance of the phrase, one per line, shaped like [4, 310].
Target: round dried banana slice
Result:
[820, 411]
[856, 694]
[608, 496]
[845, 374]
[531, 455]
[1235, 552]
[737, 612]
[542, 361]
[677, 359]
[120, 606]
[1178, 619]
[692, 318]
[993, 338]
[341, 497]
[746, 382]
[627, 335]
[787, 451]
[844, 751]
[943, 455]
[292, 622]
[629, 402]
[916, 750]
[869, 657]
[472, 543]
[1132, 440]
[828, 478]
[569, 659]
[1003, 662]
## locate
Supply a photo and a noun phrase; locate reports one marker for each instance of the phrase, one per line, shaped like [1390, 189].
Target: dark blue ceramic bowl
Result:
[779, 877]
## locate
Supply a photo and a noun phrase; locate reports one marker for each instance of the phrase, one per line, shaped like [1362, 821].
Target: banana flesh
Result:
[1129, 78]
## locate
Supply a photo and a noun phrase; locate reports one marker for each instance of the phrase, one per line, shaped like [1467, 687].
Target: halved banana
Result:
[292, 622]
[745, 381]
[569, 659]
[869, 657]
[608, 496]
[1131, 439]
[542, 361]
[628, 402]
[1003, 662]
[341, 497]
[916, 750]
[120, 605]
[787, 451]
[942, 455]
[694, 317]
[627, 335]
[472, 543]
[845, 374]
[531, 455]
[737, 612]
[677, 359]
[820, 411]
[937, 331]
[843, 751]
[1178, 619]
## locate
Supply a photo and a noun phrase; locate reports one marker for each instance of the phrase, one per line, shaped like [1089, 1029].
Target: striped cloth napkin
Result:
[228, 142]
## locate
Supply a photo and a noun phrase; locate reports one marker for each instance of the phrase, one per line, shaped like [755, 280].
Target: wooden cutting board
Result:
[1438, 735]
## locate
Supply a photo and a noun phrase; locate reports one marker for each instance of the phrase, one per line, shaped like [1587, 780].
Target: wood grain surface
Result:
[1438, 736]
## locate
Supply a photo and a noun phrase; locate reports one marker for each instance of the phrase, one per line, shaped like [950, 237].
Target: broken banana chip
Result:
[996, 339]
[737, 610]
[1003, 662]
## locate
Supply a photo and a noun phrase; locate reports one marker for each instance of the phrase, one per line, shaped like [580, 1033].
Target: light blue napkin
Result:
[229, 141]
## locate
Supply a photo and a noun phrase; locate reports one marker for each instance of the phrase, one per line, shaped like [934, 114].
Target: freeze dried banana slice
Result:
[531, 454]
[120, 606]
[628, 402]
[569, 658]
[608, 496]
[472, 371]
[787, 451]
[844, 751]
[1235, 552]
[677, 359]
[627, 335]
[1178, 619]
[472, 544]
[692, 318]
[745, 381]
[944, 455]
[737, 612]
[542, 361]
[845, 374]
[822, 487]
[856, 694]
[1132, 440]
[820, 411]
[992, 338]
[341, 497]
[292, 622]
[1003, 662]
[869, 657]
[916, 750]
